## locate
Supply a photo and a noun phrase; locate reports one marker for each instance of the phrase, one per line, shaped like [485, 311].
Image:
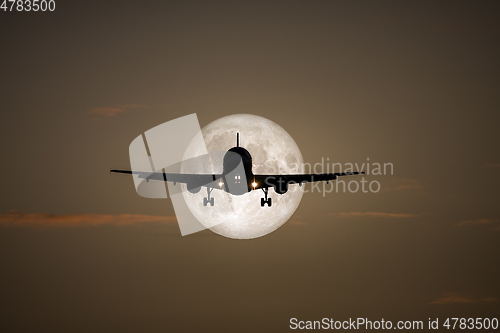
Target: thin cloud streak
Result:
[493, 165]
[111, 111]
[107, 111]
[489, 299]
[403, 185]
[79, 220]
[297, 222]
[454, 298]
[374, 214]
[477, 222]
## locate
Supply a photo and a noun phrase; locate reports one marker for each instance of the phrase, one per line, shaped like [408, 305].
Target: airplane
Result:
[232, 181]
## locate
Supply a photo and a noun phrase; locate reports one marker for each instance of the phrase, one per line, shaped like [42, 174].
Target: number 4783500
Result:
[28, 5]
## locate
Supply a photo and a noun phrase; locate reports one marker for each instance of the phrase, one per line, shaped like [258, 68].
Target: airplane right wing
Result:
[265, 181]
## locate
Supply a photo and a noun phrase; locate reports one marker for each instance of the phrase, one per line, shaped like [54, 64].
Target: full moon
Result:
[273, 152]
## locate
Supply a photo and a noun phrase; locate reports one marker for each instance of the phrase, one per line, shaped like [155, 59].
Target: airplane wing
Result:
[265, 181]
[194, 180]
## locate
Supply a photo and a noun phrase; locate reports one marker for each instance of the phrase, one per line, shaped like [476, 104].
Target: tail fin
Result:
[237, 139]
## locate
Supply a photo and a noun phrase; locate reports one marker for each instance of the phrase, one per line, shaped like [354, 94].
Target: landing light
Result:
[221, 183]
[254, 184]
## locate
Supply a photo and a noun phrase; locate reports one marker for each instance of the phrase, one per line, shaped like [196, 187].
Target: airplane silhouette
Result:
[237, 180]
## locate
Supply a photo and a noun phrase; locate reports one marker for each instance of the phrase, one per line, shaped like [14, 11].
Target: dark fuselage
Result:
[237, 171]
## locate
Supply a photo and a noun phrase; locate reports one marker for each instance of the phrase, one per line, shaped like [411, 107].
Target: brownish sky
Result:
[413, 83]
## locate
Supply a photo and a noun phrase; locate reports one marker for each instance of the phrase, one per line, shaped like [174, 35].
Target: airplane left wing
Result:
[194, 180]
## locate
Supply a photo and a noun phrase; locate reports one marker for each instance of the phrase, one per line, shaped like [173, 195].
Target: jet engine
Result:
[193, 188]
[281, 185]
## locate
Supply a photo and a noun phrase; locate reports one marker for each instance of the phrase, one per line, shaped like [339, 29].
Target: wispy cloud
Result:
[297, 220]
[493, 165]
[402, 185]
[477, 222]
[111, 111]
[107, 111]
[373, 214]
[52, 220]
[489, 299]
[453, 298]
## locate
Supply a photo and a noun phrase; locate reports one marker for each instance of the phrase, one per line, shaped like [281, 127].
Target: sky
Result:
[411, 83]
